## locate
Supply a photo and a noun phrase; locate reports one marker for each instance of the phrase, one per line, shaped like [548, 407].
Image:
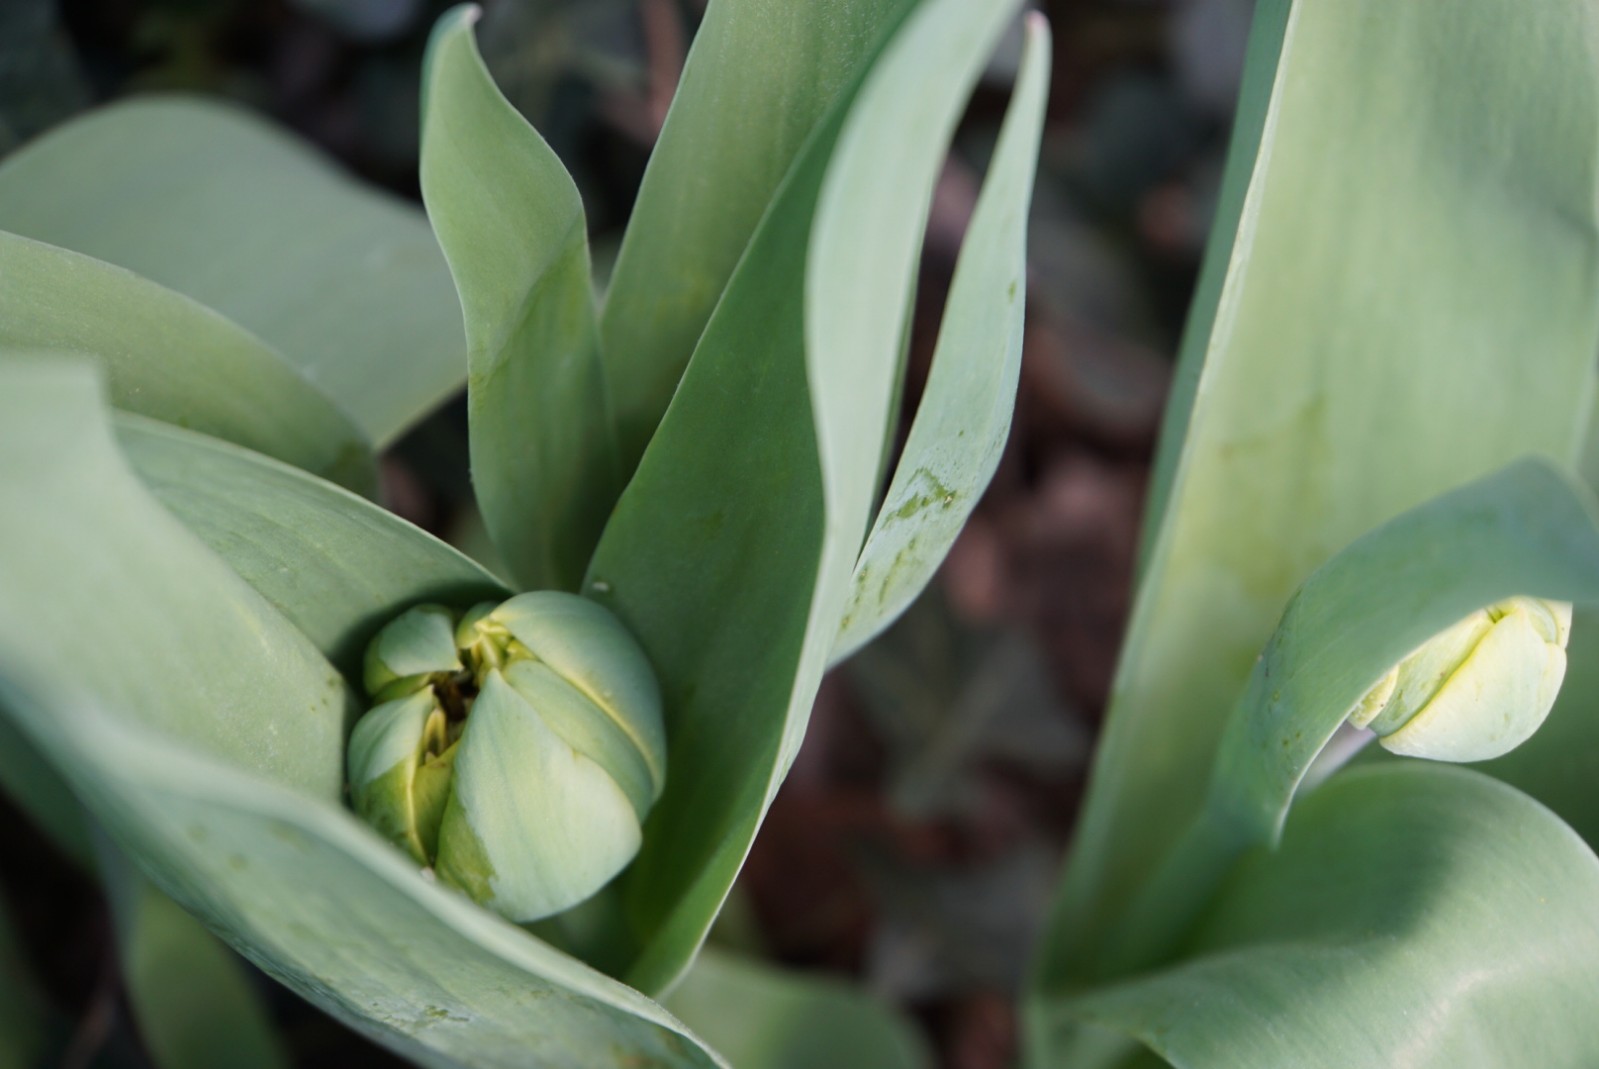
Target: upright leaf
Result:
[172, 359]
[965, 412]
[544, 461]
[1410, 220]
[1416, 917]
[336, 565]
[344, 280]
[760, 79]
[722, 556]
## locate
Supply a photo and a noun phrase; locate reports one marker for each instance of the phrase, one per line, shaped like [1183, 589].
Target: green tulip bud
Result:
[1476, 690]
[411, 649]
[523, 768]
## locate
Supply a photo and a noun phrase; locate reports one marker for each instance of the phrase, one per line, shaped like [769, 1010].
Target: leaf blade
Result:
[512, 227]
[208, 200]
[170, 358]
[940, 477]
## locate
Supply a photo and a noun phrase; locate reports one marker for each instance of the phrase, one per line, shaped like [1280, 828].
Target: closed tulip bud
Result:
[524, 774]
[1476, 690]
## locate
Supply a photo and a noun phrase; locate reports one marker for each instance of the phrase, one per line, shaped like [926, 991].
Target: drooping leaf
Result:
[1416, 916]
[192, 1001]
[721, 556]
[760, 1017]
[101, 587]
[204, 734]
[336, 565]
[964, 418]
[759, 80]
[206, 199]
[544, 461]
[1399, 299]
[172, 359]
[1527, 530]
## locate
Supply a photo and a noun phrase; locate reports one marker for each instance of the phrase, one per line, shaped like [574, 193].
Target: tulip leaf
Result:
[760, 1017]
[1416, 916]
[167, 357]
[191, 998]
[721, 556]
[1527, 530]
[204, 198]
[1408, 211]
[544, 462]
[964, 418]
[101, 586]
[759, 80]
[304, 890]
[338, 566]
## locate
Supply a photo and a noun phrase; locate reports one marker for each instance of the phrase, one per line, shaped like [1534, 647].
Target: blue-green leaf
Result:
[544, 461]
[344, 280]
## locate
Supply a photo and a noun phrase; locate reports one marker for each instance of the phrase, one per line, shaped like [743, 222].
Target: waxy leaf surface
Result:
[345, 281]
[170, 358]
[544, 461]
[1398, 298]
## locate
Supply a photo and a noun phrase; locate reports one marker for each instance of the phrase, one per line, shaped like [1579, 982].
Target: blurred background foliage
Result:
[916, 841]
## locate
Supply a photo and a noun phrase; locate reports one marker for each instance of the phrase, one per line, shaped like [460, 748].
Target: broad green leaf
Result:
[1526, 530]
[965, 414]
[544, 463]
[192, 1000]
[761, 77]
[344, 280]
[1400, 300]
[101, 587]
[760, 1017]
[23, 1014]
[205, 735]
[721, 556]
[336, 565]
[1416, 917]
[167, 357]
[312, 896]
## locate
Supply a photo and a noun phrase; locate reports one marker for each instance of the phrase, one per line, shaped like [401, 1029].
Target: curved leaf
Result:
[761, 1017]
[544, 462]
[336, 565]
[204, 198]
[1405, 302]
[1526, 530]
[318, 901]
[760, 79]
[191, 999]
[101, 587]
[1417, 916]
[965, 414]
[172, 359]
[720, 556]
[205, 734]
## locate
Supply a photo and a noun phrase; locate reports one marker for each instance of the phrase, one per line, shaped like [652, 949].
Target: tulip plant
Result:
[489, 819]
